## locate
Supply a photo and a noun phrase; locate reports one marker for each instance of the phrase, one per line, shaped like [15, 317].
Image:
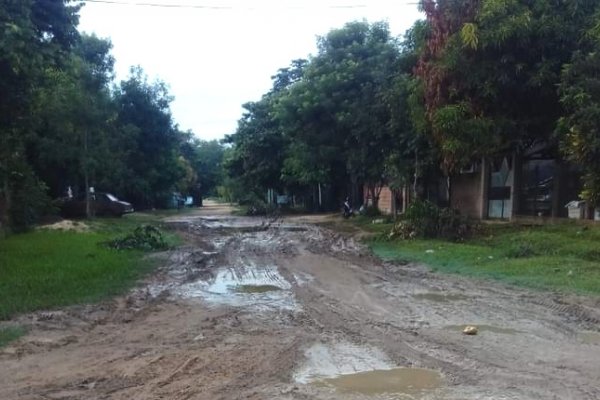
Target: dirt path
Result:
[262, 309]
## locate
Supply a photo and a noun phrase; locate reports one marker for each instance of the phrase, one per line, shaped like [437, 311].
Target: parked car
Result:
[102, 204]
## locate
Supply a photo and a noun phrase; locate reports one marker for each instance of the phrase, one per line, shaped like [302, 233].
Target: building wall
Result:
[386, 198]
[465, 194]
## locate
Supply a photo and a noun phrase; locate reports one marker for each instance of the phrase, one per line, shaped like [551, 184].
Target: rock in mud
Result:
[470, 330]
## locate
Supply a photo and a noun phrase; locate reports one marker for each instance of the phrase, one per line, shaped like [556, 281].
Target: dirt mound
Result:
[67, 225]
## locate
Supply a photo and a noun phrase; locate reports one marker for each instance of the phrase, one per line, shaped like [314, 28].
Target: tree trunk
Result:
[4, 216]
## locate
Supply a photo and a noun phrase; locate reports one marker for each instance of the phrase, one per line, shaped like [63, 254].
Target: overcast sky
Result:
[216, 59]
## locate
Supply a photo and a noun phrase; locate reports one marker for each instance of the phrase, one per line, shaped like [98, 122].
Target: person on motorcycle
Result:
[347, 208]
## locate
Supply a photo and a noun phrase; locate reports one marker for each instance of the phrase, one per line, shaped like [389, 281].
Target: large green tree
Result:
[337, 114]
[34, 35]
[579, 128]
[152, 142]
[490, 71]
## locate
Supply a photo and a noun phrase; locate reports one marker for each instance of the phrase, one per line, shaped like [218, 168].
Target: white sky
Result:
[214, 60]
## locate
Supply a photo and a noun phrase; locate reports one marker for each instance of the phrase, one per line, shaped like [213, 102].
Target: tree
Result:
[151, 159]
[490, 70]
[336, 114]
[579, 129]
[76, 115]
[36, 34]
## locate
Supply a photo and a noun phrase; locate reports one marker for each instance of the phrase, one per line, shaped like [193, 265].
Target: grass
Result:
[563, 257]
[46, 269]
[9, 334]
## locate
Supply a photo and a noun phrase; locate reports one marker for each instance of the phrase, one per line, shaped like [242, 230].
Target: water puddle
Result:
[256, 288]
[589, 337]
[366, 370]
[407, 381]
[247, 285]
[330, 361]
[245, 224]
[441, 297]
[484, 328]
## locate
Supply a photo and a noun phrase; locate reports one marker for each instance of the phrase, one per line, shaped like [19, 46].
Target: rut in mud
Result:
[262, 309]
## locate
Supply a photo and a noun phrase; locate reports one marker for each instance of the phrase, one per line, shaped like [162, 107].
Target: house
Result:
[532, 183]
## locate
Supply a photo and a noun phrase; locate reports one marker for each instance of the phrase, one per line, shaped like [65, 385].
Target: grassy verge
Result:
[47, 268]
[10, 334]
[564, 257]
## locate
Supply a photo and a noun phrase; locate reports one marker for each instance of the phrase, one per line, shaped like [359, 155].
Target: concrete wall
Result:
[465, 194]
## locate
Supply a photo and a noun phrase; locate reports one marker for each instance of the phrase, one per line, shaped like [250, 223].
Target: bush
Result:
[423, 219]
[29, 200]
[372, 211]
[144, 237]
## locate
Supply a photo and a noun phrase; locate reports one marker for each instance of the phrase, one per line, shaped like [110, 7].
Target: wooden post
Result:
[484, 189]
[515, 190]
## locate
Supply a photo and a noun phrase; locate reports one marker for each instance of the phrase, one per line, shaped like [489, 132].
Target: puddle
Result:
[589, 337]
[484, 328]
[408, 381]
[440, 297]
[331, 361]
[256, 288]
[365, 370]
[247, 285]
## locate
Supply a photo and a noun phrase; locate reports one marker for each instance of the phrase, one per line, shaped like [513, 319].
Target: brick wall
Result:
[385, 200]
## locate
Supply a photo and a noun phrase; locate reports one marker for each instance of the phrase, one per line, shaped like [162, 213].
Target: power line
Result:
[213, 7]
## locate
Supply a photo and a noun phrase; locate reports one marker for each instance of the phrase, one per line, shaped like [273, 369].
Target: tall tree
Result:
[36, 34]
[338, 113]
[490, 71]
[579, 128]
[152, 166]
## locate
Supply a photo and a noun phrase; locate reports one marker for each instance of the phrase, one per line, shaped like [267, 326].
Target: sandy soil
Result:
[271, 309]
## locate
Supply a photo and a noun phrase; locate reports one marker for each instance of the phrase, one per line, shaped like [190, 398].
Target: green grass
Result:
[9, 334]
[564, 257]
[46, 269]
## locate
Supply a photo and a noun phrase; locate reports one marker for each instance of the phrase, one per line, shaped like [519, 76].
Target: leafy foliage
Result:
[580, 128]
[144, 237]
[424, 219]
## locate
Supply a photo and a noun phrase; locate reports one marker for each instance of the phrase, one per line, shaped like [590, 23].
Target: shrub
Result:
[423, 219]
[144, 237]
[372, 211]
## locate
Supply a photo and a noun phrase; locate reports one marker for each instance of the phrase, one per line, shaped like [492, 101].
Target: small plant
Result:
[144, 237]
[521, 250]
[372, 211]
[423, 219]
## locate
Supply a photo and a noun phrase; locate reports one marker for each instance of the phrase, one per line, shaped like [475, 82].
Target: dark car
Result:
[101, 204]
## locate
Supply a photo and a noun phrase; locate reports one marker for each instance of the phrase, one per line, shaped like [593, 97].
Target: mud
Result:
[440, 297]
[406, 382]
[484, 328]
[590, 337]
[253, 308]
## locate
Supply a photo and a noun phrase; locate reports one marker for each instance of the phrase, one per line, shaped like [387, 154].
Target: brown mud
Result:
[255, 308]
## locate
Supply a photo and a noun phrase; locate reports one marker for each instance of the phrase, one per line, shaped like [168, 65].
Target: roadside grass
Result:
[564, 257]
[10, 333]
[45, 269]
[376, 226]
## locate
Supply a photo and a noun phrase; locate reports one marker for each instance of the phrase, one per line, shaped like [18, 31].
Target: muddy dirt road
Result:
[259, 309]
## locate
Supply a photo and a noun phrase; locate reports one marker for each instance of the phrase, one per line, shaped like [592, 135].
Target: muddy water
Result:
[407, 381]
[484, 328]
[440, 297]
[324, 361]
[256, 288]
[362, 369]
[244, 285]
[590, 337]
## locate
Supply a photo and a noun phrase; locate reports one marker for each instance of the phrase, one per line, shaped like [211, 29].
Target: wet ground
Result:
[272, 309]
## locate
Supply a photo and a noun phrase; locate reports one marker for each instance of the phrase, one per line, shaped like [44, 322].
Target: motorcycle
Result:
[347, 211]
